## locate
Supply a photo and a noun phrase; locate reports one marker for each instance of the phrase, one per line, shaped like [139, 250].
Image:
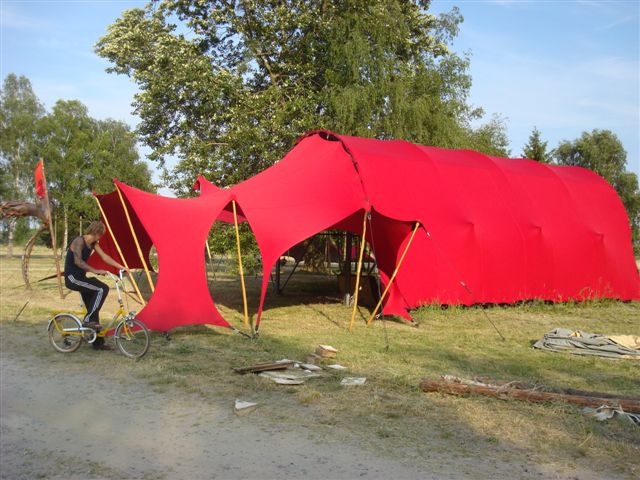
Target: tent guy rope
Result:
[462, 282]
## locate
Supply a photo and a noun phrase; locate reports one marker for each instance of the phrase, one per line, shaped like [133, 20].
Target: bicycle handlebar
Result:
[116, 278]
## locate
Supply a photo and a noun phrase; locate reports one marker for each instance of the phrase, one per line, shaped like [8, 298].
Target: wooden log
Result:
[455, 388]
[532, 386]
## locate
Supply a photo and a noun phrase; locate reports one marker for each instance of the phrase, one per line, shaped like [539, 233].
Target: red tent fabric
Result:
[510, 229]
[313, 187]
[205, 187]
[493, 230]
[115, 216]
[178, 229]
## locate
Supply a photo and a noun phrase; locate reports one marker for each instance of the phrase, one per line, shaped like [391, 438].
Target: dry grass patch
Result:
[389, 413]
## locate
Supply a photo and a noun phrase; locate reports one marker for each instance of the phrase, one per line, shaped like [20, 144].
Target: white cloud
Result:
[611, 68]
[618, 22]
[563, 94]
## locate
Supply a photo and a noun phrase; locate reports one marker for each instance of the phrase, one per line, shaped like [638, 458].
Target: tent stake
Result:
[244, 291]
[135, 238]
[359, 271]
[115, 241]
[395, 272]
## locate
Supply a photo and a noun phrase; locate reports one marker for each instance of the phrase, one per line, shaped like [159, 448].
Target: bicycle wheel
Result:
[64, 333]
[132, 338]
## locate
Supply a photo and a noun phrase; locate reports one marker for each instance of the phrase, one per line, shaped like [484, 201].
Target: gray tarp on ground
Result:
[583, 343]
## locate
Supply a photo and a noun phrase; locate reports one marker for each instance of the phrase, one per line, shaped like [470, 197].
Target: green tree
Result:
[84, 155]
[602, 152]
[81, 154]
[536, 149]
[113, 154]
[489, 138]
[65, 135]
[20, 110]
[227, 86]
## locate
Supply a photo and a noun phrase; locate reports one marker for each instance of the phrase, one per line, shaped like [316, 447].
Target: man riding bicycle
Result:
[93, 291]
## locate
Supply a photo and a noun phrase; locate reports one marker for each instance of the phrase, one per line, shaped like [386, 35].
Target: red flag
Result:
[41, 186]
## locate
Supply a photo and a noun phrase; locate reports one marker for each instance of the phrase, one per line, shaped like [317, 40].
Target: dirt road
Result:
[73, 426]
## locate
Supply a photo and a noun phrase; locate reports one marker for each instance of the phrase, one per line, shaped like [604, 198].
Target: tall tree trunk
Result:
[65, 223]
[11, 227]
[12, 223]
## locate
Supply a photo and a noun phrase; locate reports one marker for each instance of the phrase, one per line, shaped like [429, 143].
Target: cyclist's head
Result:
[95, 228]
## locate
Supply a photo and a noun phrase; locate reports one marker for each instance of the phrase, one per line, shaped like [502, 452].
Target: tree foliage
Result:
[602, 152]
[536, 149]
[81, 154]
[228, 85]
[20, 111]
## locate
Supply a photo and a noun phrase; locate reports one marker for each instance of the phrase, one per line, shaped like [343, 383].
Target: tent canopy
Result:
[117, 223]
[493, 230]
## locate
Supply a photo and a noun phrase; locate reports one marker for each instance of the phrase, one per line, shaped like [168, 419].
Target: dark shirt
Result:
[70, 267]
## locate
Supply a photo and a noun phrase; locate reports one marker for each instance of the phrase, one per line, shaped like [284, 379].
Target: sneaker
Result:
[94, 325]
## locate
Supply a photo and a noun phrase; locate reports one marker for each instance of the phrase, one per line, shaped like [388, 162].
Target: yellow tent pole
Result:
[355, 295]
[115, 241]
[206, 244]
[211, 269]
[395, 272]
[135, 239]
[244, 291]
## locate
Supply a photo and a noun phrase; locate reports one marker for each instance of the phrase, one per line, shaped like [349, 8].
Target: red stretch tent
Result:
[493, 230]
[178, 229]
[117, 220]
[510, 229]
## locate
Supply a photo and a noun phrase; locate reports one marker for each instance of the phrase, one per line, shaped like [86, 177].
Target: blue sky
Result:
[561, 66]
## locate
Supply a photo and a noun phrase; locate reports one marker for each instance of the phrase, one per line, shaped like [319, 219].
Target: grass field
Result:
[389, 413]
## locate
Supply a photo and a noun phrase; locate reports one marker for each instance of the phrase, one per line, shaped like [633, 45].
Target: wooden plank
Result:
[264, 367]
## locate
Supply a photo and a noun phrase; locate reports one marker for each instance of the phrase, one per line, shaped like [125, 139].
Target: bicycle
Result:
[66, 331]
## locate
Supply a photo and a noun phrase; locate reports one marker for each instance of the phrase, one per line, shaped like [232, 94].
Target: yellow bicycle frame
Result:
[105, 330]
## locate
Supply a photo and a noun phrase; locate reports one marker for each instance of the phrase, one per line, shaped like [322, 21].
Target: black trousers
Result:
[93, 293]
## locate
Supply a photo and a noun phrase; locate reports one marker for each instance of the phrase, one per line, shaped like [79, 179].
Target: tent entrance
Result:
[333, 253]
[233, 265]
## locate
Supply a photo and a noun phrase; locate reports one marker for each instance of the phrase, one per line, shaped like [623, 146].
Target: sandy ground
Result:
[73, 427]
